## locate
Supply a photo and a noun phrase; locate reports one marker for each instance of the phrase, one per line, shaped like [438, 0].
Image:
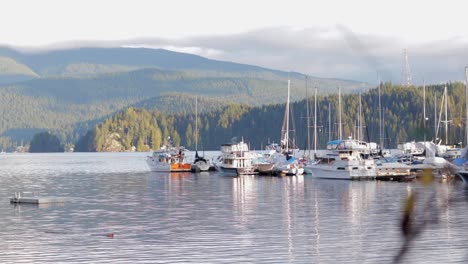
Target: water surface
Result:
[208, 218]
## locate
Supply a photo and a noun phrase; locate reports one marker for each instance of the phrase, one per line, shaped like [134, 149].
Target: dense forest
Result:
[402, 118]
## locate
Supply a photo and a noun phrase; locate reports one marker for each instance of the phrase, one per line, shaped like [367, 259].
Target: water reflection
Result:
[208, 218]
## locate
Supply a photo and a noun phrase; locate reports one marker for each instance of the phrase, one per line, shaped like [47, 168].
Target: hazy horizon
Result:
[358, 40]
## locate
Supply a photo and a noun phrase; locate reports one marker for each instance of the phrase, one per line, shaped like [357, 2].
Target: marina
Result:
[233, 132]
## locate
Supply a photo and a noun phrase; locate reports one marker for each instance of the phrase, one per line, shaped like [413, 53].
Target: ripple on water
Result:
[207, 218]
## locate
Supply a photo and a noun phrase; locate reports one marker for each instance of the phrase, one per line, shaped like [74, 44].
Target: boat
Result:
[199, 163]
[388, 168]
[264, 163]
[344, 159]
[236, 159]
[168, 159]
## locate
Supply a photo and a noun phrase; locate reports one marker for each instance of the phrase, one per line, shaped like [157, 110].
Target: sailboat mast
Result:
[466, 103]
[308, 119]
[380, 117]
[424, 103]
[287, 119]
[359, 118]
[340, 135]
[436, 125]
[424, 109]
[196, 122]
[315, 121]
[446, 118]
[329, 122]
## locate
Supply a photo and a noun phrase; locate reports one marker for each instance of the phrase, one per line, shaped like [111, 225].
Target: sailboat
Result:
[285, 162]
[279, 159]
[200, 163]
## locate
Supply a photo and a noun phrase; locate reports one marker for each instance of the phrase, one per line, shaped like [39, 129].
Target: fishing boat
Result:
[168, 159]
[236, 159]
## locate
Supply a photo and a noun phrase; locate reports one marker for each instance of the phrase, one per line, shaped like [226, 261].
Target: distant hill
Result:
[68, 90]
[96, 61]
[12, 71]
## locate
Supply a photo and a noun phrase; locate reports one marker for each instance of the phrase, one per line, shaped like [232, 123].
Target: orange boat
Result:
[168, 159]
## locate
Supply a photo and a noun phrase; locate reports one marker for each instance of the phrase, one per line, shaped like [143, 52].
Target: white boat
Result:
[344, 159]
[236, 159]
[199, 163]
[391, 169]
[264, 162]
[168, 159]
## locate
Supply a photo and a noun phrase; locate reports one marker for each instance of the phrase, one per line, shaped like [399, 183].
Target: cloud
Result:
[332, 52]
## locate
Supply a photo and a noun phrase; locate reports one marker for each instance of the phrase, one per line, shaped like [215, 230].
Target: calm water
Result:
[208, 218]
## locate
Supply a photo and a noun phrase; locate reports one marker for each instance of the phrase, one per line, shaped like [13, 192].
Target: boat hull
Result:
[236, 171]
[201, 166]
[157, 166]
[265, 168]
[340, 172]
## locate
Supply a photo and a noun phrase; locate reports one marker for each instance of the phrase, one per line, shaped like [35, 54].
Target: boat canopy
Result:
[347, 144]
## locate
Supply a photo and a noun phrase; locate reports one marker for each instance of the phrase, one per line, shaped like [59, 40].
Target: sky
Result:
[359, 40]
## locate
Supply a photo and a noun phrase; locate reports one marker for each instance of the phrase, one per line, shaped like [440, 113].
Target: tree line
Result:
[401, 111]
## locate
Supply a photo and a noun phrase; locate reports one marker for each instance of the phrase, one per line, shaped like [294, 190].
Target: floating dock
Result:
[36, 199]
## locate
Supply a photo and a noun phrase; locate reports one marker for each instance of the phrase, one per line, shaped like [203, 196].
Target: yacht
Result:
[344, 159]
[236, 159]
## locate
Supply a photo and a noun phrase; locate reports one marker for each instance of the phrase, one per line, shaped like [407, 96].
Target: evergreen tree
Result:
[45, 142]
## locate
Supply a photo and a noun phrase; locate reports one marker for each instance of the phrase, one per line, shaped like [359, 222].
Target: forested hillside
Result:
[402, 112]
[69, 91]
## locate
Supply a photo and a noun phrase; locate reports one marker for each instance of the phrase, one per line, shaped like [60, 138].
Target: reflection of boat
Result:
[236, 159]
[176, 175]
[168, 159]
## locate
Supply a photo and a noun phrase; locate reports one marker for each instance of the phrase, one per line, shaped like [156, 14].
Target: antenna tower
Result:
[406, 72]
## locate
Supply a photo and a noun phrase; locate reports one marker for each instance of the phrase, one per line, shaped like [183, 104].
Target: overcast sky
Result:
[327, 38]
